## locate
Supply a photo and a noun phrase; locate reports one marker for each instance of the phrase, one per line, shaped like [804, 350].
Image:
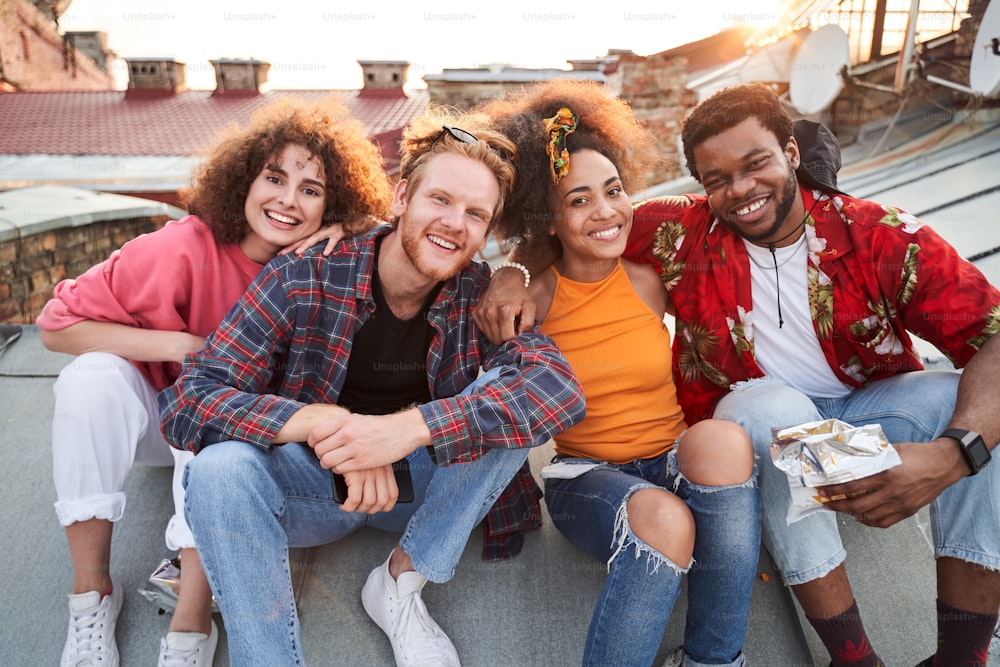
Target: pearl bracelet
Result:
[515, 265]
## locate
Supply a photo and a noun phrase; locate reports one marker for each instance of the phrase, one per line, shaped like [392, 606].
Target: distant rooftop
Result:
[106, 123]
[511, 74]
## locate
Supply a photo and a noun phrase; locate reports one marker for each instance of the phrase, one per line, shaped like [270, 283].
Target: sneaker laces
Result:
[86, 635]
[413, 615]
[174, 657]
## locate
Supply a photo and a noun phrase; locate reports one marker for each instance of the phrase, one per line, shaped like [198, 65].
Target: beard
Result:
[411, 240]
[783, 206]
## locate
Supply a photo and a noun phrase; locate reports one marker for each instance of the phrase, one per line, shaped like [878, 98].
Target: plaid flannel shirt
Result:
[287, 342]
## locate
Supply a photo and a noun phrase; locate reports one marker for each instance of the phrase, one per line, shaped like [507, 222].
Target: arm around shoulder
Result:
[506, 308]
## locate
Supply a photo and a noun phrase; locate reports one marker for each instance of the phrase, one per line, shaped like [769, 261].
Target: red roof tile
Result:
[108, 123]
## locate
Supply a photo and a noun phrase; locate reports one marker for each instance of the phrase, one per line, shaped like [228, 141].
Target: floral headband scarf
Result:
[558, 128]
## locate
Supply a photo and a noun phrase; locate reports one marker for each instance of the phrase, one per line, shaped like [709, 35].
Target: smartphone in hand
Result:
[401, 470]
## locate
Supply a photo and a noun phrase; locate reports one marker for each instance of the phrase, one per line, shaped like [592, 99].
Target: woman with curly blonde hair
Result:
[300, 172]
[632, 484]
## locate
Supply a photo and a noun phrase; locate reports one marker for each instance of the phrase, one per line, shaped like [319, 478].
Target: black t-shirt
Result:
[387, 370]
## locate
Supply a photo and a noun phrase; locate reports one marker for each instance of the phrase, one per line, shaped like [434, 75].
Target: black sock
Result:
[845, 639]
[963, 637]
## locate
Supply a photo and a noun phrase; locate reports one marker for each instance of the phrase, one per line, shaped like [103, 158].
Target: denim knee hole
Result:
[623, 538]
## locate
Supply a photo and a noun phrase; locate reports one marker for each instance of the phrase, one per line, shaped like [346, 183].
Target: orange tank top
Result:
[620, 351]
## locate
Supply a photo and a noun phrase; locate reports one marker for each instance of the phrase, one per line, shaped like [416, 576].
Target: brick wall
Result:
[34, 55]
[31, 266]
[465, 94]
[656, 87]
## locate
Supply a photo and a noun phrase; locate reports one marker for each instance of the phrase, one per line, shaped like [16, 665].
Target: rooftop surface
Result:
[533, 610]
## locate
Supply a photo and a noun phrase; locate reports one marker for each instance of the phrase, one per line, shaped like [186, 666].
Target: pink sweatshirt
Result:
[175, 279]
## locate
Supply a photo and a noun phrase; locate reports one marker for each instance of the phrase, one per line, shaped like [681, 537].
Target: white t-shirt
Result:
[789, 352]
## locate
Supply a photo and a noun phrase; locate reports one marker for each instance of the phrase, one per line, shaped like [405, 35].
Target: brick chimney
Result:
[94, 44]
[240, 76]
[154, 77]
[384, 78]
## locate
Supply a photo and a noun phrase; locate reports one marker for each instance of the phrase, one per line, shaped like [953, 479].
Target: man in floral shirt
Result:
[795, 303]
[382, 327]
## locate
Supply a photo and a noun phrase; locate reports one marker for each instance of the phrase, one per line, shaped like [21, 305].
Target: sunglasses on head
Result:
[457, 133]
[465, 137]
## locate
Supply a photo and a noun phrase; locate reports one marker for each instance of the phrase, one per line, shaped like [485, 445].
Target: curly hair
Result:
[426, 136]
[358, 190]
[729, 107]
[605, 124]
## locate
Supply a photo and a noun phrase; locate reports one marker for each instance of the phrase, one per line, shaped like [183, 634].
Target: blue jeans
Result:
[911, 407]
[246, 507]
[632, 612]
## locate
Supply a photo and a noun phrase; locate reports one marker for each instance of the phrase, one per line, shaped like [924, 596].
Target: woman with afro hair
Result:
[632, 484]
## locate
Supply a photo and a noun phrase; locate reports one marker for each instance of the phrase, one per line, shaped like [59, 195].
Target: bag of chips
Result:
[827, 452]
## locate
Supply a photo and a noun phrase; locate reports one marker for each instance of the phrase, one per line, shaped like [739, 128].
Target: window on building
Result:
[877, 28]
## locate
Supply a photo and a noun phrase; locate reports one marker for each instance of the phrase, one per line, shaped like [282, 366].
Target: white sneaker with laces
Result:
[396, 607]
[188, 649]
[91, 636]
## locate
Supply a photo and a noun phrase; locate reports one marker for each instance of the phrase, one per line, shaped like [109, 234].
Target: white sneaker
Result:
[188, 649]
[396, 607]
[91, 636]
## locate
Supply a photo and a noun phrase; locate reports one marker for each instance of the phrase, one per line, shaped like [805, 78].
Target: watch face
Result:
[979, 452]
[974, 449]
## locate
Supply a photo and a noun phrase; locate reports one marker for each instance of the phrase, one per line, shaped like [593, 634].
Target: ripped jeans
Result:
[631, 615]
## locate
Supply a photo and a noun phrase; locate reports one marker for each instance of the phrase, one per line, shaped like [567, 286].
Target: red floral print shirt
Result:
[876, 275]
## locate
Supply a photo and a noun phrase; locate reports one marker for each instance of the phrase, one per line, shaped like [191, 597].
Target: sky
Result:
[317, 45]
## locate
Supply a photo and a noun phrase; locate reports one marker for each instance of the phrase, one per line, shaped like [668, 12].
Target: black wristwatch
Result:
[975, 451]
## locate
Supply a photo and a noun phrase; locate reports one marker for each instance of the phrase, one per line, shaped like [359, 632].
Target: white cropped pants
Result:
[106, 419]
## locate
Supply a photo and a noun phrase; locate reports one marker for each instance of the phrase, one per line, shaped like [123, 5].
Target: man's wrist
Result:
[972, 447]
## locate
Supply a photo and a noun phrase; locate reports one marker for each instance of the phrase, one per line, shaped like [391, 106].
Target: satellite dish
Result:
[815, 79]
[984, 68]
[769, 64]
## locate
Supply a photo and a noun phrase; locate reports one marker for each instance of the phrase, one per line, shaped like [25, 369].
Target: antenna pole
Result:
[903, 66]
[950, 84]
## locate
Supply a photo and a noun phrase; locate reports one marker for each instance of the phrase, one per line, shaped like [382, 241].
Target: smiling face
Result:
[750, 182]
[593, 216]
[285, 202]
[444, 221]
